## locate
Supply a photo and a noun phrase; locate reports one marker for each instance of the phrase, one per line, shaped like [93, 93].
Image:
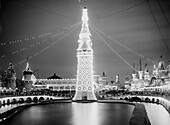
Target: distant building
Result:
[56, 84]
[104, 78]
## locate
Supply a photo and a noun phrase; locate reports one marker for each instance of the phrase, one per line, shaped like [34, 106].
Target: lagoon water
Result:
[74, 114]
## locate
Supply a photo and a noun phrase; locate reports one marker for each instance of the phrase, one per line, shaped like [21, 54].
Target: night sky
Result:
[141, 25]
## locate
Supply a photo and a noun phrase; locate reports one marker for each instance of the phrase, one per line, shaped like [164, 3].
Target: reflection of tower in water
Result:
[85, 80]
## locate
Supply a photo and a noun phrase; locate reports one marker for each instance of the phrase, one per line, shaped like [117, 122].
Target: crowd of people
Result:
[33, 92]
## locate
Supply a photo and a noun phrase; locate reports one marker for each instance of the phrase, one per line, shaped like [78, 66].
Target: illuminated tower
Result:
[85, 80]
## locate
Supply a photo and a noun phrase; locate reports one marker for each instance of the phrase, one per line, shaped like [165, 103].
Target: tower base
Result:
[84, 96]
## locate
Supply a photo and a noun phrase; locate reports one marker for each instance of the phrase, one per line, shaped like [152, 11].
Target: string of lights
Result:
[40, 42]
[2, 43]
[47, 47]
[121, 11]
[114, 50]
[25, 39]
[124, 45]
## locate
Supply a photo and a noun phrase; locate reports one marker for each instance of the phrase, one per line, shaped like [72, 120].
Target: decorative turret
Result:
[161, 65]
[146, 74]
[27, 69]
[11, 77]
[104, 78]
[28, 77]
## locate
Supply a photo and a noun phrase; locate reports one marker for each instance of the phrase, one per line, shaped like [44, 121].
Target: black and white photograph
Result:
[84, 62]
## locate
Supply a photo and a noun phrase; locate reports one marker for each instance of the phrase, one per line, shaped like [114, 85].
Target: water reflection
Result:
[5, 108]
[74, 114]
[101, 114]
[85, 114]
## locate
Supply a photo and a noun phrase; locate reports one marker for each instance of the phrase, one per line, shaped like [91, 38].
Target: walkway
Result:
[139, 116]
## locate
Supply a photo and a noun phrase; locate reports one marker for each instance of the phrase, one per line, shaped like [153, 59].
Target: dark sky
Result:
[142, 26]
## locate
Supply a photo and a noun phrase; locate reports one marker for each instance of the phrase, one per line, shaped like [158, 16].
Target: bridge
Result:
[149, 99]
[138, 98]
[22, 99]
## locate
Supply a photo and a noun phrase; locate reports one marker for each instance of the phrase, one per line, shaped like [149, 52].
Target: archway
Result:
[3, 102]
[136, 99]
[8, 102]
[147, 99]
[41, 98]
[29, 100]
[35, 99]
[21, 100]
[14, 101]
[153, 100]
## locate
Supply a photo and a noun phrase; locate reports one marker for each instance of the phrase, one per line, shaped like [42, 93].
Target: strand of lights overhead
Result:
[37, 53]
[116, 41]
[40, 42]
[33, 37]
[114, 50]
[26, 39]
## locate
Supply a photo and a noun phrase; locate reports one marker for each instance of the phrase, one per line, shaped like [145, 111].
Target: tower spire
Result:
[27, 68]
[84, 36]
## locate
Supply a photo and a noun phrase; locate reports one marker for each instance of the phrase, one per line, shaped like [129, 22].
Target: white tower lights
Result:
[85, 79]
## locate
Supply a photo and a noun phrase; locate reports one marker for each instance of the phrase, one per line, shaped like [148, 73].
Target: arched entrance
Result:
[84, 96]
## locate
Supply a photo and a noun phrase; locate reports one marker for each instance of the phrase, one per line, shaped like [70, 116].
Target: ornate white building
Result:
[160, 77]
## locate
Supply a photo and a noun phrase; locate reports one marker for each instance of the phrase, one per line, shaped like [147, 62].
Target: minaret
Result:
[85, 80]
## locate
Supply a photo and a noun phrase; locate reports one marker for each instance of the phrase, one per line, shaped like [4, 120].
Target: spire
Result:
[133, 68]
[27, 69]
[140, 63]
[84, 36]
[28, 66]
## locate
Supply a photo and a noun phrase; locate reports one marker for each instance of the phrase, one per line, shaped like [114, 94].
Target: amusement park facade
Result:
[159, 79]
